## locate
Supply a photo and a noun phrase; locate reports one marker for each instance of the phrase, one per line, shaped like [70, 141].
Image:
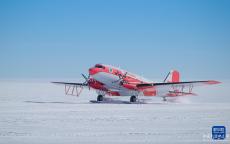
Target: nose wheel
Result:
[100, 98]
[133, 99]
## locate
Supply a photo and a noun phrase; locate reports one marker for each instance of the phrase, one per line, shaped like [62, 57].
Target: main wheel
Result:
[133, 99]
[100, 98]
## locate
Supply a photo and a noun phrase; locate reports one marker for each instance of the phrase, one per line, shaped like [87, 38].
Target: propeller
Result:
[87, 79]
[121, 78]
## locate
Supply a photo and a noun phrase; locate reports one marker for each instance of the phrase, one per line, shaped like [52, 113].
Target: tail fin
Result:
[173, 76]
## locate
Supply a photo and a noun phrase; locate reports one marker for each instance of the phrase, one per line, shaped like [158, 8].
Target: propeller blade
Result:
[124, 76]
[121, 79]
[85, 77]
[86, 80]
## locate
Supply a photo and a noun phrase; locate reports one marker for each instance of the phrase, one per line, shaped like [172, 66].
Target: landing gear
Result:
[100, 98]
[164, 99]
[133, 99]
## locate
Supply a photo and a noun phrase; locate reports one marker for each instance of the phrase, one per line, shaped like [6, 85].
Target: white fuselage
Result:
[112, 83]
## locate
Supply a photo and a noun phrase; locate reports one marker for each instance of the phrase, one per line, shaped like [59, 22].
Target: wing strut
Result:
[73, 90]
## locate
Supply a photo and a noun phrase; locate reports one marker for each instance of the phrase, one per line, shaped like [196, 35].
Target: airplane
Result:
[108, 80]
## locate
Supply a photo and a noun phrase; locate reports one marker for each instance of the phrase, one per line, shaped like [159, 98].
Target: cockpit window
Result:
[99, 66]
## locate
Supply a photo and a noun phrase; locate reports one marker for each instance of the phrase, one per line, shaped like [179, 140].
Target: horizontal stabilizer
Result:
[175, 93]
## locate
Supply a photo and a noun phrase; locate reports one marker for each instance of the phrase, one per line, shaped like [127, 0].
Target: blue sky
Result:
[51, 39]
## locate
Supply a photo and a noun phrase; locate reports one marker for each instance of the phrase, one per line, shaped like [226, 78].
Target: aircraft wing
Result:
[70, 84]
[73, 89]
[180, 84]
[176, 88]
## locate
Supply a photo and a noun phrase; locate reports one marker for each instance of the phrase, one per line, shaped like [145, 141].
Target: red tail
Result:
[173, 76]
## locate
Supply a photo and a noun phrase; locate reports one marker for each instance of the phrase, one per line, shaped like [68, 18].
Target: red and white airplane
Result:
[112, 81]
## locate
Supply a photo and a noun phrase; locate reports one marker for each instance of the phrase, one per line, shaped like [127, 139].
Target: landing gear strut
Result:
[133, 99]
[100, 98]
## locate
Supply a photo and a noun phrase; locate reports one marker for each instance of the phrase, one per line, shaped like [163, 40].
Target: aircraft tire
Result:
[133, 99]
[100, 98]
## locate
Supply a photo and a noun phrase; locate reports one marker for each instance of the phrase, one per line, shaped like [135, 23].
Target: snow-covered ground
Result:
[39, 112]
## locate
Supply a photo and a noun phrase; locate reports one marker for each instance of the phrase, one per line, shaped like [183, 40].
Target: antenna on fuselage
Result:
[166, 77]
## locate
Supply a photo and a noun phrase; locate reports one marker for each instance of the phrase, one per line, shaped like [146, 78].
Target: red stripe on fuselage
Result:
[130, 80]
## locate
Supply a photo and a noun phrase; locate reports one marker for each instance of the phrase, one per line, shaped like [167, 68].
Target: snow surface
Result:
[39, 112]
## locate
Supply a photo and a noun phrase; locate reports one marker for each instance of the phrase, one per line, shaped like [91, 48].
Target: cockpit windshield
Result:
[99, 66]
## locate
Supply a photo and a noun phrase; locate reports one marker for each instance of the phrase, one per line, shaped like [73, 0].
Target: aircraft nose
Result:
[92, 71]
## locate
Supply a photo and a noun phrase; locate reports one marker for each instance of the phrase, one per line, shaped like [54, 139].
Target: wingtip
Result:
[213, 82]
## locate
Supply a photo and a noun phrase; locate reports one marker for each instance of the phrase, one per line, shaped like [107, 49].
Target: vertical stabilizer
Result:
[173, 76]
